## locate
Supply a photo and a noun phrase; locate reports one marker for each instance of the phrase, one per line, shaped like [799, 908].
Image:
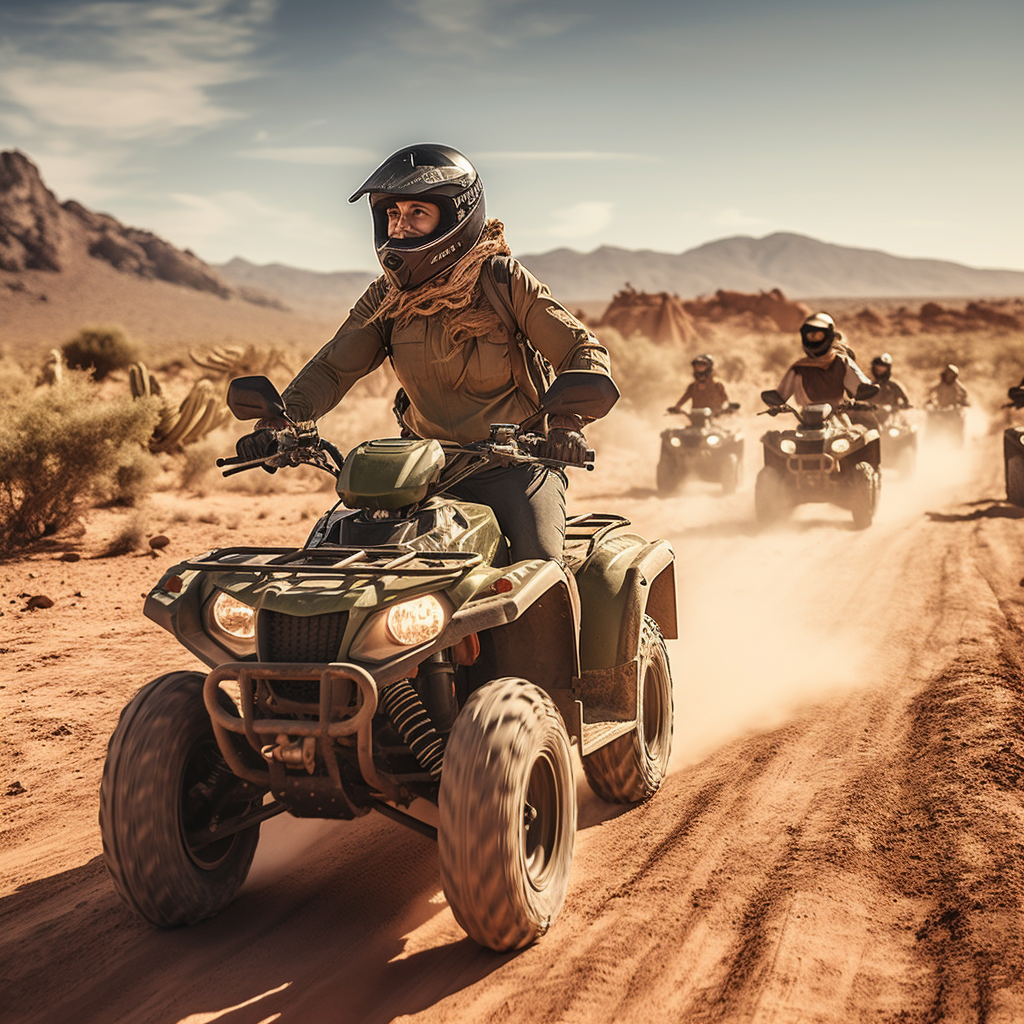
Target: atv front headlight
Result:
[788, 446]
[713, 439]
[893, 432]
[232, 623]
[840, 445]
[675, 441]
[415, 622]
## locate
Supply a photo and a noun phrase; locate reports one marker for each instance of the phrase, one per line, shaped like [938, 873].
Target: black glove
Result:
[564, 445]
[1016, 395]
[257, 445]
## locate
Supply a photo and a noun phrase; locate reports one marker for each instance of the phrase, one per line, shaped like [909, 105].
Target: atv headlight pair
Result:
[231, 623]
[405, 624]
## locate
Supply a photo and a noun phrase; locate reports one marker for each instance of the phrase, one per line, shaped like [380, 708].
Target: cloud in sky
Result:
[499, 155]
[135, 69]
[733, 217]
[581, 219]
[327, 155]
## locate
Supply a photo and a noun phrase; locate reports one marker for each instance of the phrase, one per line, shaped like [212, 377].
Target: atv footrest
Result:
[597, 734]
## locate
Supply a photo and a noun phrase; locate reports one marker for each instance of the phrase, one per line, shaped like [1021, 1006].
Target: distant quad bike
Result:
[824, 459]
[396, 655]
[946, 424]
[1013, 452]
[899, 439]
[705, 449]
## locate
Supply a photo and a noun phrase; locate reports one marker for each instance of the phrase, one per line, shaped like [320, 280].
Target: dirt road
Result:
[841, 838]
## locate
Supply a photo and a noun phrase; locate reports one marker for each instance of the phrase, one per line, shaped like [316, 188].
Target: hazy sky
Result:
[239, 127]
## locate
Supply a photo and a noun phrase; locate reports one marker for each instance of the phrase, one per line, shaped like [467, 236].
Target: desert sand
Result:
[839, 839]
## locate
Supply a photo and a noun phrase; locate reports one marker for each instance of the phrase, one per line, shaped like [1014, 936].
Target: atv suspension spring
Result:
[403, 706]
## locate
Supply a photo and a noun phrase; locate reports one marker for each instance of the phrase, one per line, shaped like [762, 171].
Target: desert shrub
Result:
[642, 369]
[100, 350]
[132, 480]
[60, 446]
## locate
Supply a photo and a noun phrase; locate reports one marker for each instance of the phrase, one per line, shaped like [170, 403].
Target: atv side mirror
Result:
[772, 398]
[588, 393]
[255, 398]
[866, 391]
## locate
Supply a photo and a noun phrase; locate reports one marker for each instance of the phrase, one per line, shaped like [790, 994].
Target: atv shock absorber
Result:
[403, 706]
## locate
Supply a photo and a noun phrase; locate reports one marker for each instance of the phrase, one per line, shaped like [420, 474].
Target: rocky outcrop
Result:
[39, 233]
[658, 316]
[770, 310]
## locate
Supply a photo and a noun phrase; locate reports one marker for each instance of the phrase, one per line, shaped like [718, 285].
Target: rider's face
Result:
[411, 218]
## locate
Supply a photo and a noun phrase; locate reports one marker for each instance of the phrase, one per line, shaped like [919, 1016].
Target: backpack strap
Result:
[496, 271]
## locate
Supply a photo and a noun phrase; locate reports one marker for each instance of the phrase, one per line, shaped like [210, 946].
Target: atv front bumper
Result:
[348, 702]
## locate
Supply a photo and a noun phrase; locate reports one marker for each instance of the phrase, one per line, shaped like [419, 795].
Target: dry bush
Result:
[642, 369]
[101, 350]
[60, 446]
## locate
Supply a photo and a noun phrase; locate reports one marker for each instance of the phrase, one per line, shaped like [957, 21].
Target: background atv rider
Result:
[457, 362]
[949, 393]
[890, 393]
[828, 372]
[705, 391]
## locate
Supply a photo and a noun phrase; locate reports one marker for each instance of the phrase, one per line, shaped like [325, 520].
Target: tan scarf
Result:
[454, 296]
[825, 361]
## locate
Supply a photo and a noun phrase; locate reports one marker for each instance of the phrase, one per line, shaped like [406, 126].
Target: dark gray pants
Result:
[529, 504]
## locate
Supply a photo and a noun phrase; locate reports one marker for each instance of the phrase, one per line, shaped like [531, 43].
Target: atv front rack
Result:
[337, 560]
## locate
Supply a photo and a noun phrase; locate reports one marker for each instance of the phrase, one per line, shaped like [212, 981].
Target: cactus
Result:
[52, 371]
[227, 361]
[202, 410]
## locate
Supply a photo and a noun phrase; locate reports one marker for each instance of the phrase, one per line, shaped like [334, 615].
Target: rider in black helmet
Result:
[890, 391]
[473, 337]
[829, 372]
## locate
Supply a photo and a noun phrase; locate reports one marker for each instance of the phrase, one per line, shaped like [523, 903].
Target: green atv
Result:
[396, 656]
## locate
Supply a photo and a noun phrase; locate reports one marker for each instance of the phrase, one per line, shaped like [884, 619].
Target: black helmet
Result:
[702, 365]
[951, 371]
[815, 324]
[435, 174]
[884, 361]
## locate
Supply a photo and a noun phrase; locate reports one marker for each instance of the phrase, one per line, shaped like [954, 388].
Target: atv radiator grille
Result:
[314, 638]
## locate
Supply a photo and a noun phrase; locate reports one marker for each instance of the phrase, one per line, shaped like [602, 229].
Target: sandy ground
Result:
[840, 838]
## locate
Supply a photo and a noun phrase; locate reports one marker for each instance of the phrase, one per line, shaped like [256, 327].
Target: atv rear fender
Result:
[624, 579]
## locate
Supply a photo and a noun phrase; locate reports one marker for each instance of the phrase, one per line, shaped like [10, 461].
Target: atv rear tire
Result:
[772, 500]
[507, 814]
[865, 486]
[632, 767]
[165, 780]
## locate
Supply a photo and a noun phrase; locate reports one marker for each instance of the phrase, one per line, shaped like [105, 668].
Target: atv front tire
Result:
[670, 475]
[865, 486]
[1015, 479]
[164, 782]
[772, 500]
[632, 767]
[507, 814]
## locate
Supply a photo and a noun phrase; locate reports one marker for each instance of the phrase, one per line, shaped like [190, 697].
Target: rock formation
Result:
[39, 233]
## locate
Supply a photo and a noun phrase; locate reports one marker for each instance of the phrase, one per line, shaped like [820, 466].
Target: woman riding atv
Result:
[471, 334]
[829, 372]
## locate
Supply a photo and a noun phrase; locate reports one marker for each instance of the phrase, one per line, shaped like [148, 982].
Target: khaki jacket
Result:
[456, 391]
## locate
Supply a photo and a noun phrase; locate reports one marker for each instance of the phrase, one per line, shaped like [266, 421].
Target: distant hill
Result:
[802, 267]
[325, 296]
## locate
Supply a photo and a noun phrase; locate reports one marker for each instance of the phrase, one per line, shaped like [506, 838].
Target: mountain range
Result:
[62, 266]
